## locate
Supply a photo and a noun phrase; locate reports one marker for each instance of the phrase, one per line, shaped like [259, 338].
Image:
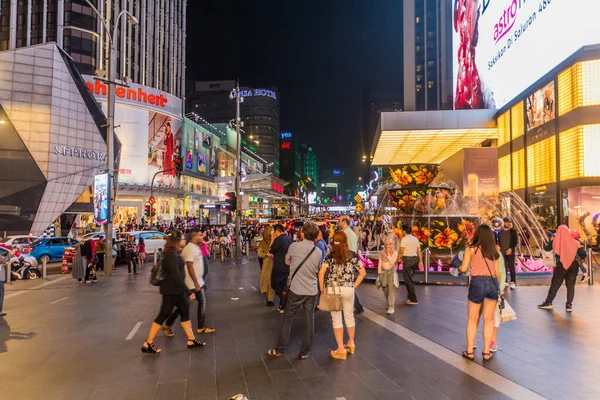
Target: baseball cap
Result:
[507, 219]
[575, 235]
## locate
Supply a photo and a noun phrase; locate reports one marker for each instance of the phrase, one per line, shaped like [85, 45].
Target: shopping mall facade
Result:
[544, 126]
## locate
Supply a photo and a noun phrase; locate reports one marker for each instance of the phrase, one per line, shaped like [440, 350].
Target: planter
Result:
[414, 174]
[419, 201]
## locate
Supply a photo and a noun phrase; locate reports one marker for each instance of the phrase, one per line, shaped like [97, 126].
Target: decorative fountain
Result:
[431, 211]
[444, 220]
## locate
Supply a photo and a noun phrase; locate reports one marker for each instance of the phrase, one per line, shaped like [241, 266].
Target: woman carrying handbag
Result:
[388, 278]
[341, 266]
[484, 289]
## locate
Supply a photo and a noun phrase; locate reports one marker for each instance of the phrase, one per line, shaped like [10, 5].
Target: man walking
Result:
[4, 269]
[304, 260]
[281, 270]
[507, 239]
[194, 279]
[352, 246]
[410, 252]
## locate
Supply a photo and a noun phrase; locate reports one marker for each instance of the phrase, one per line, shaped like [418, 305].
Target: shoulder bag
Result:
[331, 301]
[287, 287]
[500, 297]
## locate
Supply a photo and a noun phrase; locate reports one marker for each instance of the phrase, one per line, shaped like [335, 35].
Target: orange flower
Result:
[445, 239]
[422, 234]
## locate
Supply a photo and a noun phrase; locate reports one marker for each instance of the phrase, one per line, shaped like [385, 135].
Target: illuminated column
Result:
[44, 20]
[28, 23]
[142, 39]
[60, 19]
[13, 25]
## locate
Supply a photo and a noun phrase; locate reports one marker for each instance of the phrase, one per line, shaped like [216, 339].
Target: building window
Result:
[541, 162]
[504, 184]
[518, 120]
[518, 169]
[504, 128]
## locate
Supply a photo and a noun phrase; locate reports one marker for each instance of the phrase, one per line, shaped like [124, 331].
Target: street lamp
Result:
[236, 95]
[110, 147]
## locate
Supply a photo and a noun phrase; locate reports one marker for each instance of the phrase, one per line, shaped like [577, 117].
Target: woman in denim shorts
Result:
[482, 256]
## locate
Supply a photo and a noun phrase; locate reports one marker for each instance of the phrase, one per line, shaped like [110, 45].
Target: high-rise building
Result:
[427, 54]
[289, 153]
[259, 111]
[150, 53]
[310, 164]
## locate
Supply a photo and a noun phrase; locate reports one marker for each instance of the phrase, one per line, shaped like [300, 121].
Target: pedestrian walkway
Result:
[82, 342]
[553, 353]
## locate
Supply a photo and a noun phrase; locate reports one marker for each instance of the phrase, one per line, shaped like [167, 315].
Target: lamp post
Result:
[236, 94]
[110, 147]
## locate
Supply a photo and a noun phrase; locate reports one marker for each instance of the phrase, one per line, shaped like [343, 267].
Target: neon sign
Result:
[286, 145]
[286, 135]
[337, 172]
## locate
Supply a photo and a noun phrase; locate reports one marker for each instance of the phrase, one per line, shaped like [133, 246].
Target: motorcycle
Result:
[23, 269]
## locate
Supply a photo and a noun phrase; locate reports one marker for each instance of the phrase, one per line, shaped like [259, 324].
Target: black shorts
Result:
[483, 287]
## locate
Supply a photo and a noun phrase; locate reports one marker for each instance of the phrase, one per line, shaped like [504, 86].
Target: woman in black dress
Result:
[175, 293]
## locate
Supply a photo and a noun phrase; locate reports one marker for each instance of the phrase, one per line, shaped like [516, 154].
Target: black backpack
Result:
[157, 275]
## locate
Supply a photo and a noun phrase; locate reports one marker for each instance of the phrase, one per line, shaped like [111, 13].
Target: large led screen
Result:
[501, 47]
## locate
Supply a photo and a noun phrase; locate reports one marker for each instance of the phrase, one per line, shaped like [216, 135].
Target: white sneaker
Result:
[390, 310]
[512, 286]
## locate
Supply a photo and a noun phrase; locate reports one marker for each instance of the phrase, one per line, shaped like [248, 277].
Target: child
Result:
[497, 316]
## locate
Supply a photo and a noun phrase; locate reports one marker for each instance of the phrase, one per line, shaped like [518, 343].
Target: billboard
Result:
[501, 47]
[540, 106]
[101, 199]
[200, 147]
[150, 141]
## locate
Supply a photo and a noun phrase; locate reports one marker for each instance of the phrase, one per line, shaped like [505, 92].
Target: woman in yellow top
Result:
[267, 265]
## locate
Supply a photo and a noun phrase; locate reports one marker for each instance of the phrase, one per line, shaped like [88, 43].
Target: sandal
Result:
[302, 356]
[205, 330]
[151, 349]
[488, 355]
[167, 331]
[468, 356]
[274, 353]
[350, 349]
[196, 344]
[339, 356]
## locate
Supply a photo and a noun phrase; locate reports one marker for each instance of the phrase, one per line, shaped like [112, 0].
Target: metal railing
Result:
[590, 265]
[426, 262]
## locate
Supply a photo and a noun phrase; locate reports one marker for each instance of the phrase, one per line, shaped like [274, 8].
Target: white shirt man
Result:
[192, 254]
[410, 251]
[350, 235]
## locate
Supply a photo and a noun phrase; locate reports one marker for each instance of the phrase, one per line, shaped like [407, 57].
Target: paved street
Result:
[69, 341]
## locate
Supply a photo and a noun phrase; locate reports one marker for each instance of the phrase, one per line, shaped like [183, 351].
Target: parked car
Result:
[50, 249]
[153, 240]
[17, 241]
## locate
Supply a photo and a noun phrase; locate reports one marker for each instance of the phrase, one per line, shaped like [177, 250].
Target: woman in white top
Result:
[387, 273]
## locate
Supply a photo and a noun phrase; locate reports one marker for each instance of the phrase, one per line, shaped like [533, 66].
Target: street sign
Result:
[358, 198]
[151, 200]
[359, 207]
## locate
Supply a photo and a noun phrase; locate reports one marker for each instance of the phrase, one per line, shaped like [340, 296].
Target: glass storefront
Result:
[543, 205]
[584, 211]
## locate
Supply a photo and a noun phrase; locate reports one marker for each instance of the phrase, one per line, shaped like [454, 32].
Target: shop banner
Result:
[480, 173]
[101, 193]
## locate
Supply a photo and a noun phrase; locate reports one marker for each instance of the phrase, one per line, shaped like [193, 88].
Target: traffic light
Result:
[149, 210]
[231, 200]
[178, 165]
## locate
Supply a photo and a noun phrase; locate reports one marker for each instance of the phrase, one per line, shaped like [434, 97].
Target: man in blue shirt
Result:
[322, 240]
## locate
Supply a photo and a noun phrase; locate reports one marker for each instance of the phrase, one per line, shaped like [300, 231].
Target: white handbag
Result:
[548, 258]
[507, 314]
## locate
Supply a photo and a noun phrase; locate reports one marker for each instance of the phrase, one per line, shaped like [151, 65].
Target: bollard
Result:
[44, 268]
[590, 263]
[8, 269]
[155, 255]
[426, 265]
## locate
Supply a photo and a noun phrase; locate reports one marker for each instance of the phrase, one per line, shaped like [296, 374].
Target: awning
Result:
[429, 136]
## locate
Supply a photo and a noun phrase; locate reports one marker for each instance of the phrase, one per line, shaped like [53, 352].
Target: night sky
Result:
[321, 54]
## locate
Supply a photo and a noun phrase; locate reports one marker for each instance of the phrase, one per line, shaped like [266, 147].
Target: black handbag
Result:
[284, 295]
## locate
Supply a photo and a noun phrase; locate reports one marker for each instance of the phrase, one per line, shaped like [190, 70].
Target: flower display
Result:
[420, 201]
[421, 233]
[445, 239]
[419, 174]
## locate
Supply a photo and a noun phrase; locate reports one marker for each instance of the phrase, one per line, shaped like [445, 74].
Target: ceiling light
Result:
[2, 121]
